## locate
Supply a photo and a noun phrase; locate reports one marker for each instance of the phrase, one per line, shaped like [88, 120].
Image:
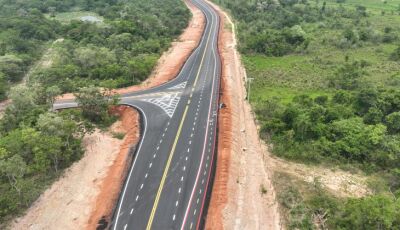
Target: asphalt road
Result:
[167, 183]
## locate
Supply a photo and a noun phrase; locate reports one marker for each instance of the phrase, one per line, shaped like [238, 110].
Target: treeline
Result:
[120, 53]
[36, 144]
[22, 37]
[274, 28]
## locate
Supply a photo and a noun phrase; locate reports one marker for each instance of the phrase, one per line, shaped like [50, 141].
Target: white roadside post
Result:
[249, 80]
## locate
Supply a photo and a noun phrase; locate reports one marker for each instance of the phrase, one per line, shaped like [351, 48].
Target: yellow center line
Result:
[171, 154]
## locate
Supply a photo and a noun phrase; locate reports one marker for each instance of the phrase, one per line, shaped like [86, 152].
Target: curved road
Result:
[167, 183]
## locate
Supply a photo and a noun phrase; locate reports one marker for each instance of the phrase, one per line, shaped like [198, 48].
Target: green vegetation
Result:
[310, 206]
[325, 90]
[121, 51]
[36, 144]
[118, 135]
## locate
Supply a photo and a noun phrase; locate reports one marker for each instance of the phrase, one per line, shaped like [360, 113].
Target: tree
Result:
[347, 76]
[395, 56]
[370, 213]
[95, 103]
[393, 122]
[373, 116]
[3, 87]
[14, 168]
[12, 67]
[51, 93]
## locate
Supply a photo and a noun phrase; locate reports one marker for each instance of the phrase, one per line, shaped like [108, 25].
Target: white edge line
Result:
[205, 140]
[133, 165]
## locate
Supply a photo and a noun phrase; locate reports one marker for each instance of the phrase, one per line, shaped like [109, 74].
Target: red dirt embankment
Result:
[171, 62]
[111, 185]
[237, 200]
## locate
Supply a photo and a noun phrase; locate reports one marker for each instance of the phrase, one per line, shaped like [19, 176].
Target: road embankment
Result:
[111, 185]
[237, 200]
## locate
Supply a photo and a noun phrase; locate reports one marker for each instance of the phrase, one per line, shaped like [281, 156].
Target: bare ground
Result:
[237, 201]
[111, 184]
[67, 203]
[338, 182]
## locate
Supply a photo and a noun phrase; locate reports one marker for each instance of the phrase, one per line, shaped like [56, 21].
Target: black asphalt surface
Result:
[167, 183]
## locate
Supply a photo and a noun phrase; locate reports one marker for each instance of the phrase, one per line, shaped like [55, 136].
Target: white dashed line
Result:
[137, 198]
[188, 150]
[150, 165]
[176, 203]
[131, 211]
[141, 186]
[173, 217]
[191, 225]
[181, 178]
[194, 213]
[145, 176]
[197, 200]
[186, 158]
[184, 168]
[126, 225]
[179, 190]
[158, 147]
[154, 156]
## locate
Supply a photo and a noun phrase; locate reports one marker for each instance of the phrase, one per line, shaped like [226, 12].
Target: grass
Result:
[66, 17]
[118, 135]
[260, 94]
[372, 5]
[308, 72]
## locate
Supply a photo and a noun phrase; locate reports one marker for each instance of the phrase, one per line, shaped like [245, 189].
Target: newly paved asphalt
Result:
[167, 183]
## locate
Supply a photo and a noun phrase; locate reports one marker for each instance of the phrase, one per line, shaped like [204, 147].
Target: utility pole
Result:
[249, 80]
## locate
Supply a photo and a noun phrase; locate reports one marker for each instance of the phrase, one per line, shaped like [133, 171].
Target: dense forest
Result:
[326, 91]
[117, 49]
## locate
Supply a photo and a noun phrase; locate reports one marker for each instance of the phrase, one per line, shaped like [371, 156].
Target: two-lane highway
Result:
[168, 180]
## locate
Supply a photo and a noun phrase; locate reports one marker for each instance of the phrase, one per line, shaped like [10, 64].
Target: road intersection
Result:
[167, 184]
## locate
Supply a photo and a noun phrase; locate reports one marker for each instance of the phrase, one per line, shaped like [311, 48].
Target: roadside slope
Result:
[237, 200]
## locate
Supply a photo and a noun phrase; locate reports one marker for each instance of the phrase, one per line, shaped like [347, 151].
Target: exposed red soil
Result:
[171, 62]
[236, 200]
[219, 196]
[111, 185]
